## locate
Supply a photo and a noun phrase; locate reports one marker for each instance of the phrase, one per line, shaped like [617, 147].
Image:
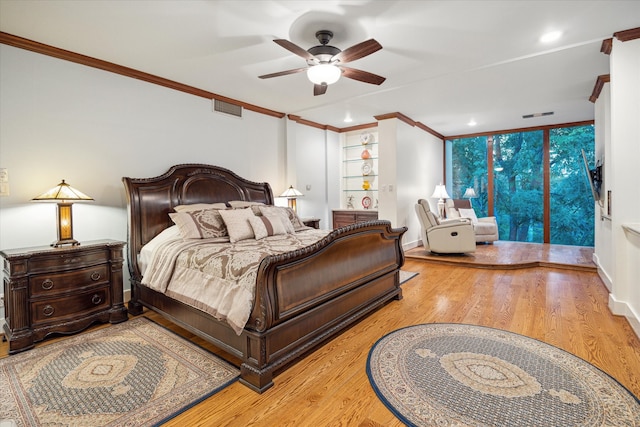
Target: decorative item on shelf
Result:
[366, 185]
[440, 193]
[292, 194]
[469, 193]
[366, 168]
[366, 138]
[64, 195]
[365, 154]
[350, 202]
[366, 202]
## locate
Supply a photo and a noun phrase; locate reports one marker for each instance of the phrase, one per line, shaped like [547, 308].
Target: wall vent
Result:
[529, 116]
[227, 108]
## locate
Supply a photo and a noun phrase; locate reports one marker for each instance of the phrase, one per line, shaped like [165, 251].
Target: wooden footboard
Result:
[302, 298]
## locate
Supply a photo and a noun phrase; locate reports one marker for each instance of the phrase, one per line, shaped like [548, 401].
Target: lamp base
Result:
[72, 242]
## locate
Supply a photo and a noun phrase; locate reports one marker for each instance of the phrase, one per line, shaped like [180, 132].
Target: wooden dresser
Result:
[61, 290]
[342, 217]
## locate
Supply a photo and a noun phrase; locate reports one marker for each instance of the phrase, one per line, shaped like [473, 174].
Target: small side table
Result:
[311, 222]
[61, 290]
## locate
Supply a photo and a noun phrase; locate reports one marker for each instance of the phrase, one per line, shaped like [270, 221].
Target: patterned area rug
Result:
[136, 373]
[453, 374]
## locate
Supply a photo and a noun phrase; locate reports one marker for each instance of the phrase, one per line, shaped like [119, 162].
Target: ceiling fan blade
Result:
[283, 73]
[295, 49]
[363, 76]
[320, 89]
[357, 51]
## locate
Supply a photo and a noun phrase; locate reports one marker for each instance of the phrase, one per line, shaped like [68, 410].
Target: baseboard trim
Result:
[621, 308]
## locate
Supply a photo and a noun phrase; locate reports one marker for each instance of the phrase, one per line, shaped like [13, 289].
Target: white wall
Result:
[603, 244]
[617, 252]
[625, 156]
[313, 152]
[61, 120]
[411, 161]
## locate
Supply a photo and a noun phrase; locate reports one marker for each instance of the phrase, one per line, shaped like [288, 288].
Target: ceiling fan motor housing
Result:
[323, 52]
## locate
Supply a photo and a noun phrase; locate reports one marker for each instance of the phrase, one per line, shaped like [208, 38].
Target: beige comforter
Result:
[218, 278]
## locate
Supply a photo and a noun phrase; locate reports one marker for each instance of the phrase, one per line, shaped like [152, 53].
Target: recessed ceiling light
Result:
[551, 36]
[472, 122]
[348, 119]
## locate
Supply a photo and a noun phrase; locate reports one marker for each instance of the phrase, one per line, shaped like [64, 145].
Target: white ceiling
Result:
[446, 62]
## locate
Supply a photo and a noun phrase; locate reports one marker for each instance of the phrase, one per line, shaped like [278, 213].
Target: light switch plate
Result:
[4, 175]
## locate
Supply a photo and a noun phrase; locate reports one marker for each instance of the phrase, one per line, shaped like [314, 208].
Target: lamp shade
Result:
[63, 192]
[65, 195]
[323, 74]
[291, 193]
[469, 193]
[440, 192]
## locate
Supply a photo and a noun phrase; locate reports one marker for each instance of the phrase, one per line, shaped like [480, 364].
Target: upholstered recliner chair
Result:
[485, 228]
[447, 236]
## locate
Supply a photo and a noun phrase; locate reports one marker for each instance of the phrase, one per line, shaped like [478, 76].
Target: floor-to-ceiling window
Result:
[570, 202]
[518, 184]
[532, 181]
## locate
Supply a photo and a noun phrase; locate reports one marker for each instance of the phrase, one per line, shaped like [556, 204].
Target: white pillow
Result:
[238, 225]
[264, 226]
[469, 213]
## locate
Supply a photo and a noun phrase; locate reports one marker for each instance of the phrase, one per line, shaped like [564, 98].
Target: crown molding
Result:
[627, 35]
[600, 81]
[66, 55]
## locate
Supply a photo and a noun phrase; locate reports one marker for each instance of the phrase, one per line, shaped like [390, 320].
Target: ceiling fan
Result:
[325, 62]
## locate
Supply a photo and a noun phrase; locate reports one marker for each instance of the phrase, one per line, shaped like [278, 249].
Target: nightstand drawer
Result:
[82, 303]
[53, 284]
[67, 261]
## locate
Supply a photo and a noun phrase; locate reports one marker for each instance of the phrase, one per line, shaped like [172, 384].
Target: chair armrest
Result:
[487, 219]
[455, 221]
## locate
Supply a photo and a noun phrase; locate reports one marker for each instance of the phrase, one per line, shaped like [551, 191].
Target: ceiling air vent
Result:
[529, 116]
[227, 108]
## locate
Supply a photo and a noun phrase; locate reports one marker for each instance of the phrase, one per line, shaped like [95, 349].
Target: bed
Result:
[302, 297]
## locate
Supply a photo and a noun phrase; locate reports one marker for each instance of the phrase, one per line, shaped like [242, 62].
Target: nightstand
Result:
[61, 290]
[311, 222]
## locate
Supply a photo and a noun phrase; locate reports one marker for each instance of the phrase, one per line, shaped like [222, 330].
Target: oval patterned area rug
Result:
[455, 374]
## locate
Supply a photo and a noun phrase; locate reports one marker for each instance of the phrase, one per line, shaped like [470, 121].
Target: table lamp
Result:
[291, 194]
[440, 193]
[469, 193]
[65, 195]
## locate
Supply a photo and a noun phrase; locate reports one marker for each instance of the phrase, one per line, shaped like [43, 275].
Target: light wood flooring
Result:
[329, 387]
[514, 255]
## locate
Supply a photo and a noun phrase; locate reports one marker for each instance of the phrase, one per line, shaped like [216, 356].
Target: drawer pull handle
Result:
[95, 276]
[47, 284]
[96, 299]
[71, 260]
[48, 310]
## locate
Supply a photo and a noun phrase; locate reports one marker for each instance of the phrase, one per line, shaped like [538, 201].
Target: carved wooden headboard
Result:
[150, 200]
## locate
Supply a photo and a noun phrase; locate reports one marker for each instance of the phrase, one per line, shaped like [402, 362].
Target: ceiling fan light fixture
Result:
[324, 74]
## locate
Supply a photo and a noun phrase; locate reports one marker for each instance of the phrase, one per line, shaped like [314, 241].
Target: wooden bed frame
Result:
[303, 297]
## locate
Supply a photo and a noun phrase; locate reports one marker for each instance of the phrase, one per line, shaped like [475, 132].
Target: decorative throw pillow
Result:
[237, 222]
[295, 220]
[469, 213]
[239, 204]
[280, 213]
[199, 207]
[200, 224]
[264, 226]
